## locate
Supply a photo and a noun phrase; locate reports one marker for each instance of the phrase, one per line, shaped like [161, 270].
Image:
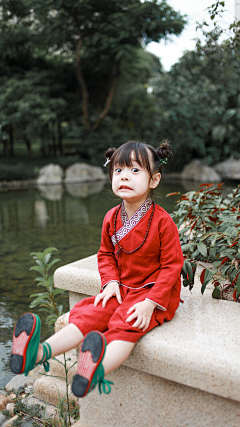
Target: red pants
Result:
[111, 320]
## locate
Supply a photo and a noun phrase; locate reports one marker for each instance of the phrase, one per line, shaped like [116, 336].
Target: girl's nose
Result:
[124, 176]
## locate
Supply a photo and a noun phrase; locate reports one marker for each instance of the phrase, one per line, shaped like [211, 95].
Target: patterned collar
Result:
[142, 210]
[129, 224]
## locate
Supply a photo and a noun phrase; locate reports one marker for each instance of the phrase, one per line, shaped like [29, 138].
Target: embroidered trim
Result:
[139, 287]
[129, 224]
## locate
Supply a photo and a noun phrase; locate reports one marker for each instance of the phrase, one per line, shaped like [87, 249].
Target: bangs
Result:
[129, 152]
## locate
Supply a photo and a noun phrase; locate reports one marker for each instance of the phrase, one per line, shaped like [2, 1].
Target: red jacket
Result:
[157, 263]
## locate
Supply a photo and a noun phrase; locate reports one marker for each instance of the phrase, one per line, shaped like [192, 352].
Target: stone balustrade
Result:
[183, 373]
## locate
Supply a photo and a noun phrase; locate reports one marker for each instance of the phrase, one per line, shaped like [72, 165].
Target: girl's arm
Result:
[107, 263]
[171, 262]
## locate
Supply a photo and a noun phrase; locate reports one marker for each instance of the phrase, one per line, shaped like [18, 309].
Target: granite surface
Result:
[139, 399]
[199, 348]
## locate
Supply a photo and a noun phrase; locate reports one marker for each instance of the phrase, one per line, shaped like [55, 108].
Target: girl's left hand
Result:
[143, 312]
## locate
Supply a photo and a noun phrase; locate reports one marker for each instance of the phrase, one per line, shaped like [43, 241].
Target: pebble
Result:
[18, 383]
[2, 418]
[10, 408]
[3, 393]
[8, 423]
[29, 389]
[3, 402]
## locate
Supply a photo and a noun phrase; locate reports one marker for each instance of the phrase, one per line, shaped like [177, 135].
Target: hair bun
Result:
[110, 152]
[164, 151]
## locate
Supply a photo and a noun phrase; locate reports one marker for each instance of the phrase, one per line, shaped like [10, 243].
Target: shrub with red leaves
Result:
[208, 224]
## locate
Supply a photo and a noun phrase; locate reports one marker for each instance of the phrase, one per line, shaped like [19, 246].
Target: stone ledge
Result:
[199, 348]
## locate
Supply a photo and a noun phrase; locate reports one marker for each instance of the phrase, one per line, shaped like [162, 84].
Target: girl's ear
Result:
[155, 180]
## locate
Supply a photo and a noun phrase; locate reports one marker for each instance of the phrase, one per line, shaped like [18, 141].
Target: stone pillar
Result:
[237, 10]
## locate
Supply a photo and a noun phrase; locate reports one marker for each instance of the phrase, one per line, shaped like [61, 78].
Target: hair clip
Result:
[163, 161]
[108, 161]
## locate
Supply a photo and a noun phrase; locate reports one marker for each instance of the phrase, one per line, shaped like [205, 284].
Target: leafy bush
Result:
[209, 231]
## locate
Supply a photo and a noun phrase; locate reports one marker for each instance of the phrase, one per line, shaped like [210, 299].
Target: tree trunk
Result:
[54, 145]
[82, 85]
[11, 141]
[107, 103]
[28, 144]
[60, 146]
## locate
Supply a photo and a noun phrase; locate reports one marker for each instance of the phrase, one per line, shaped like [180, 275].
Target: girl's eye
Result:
[135, 170]
[118, 170]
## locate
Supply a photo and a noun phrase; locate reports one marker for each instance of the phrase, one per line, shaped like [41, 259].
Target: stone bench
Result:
[183, 373]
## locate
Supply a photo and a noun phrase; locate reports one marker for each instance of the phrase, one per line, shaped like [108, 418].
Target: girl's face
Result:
[133, 183]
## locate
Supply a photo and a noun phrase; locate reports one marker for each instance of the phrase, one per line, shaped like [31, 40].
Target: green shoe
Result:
[47, 353]
[26, 338]
[90, 371]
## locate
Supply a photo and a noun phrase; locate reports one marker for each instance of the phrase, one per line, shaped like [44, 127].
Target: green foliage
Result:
[199, 97]
[34, 414]
[60, 62]
[47, 303]
[46, 300]
[209, 231]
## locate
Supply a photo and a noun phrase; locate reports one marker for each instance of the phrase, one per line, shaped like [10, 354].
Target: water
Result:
[68, 218]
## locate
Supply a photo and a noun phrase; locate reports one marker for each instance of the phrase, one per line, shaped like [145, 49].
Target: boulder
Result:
[81, 172]
[229, 169]
[50, 174]
[197, 171]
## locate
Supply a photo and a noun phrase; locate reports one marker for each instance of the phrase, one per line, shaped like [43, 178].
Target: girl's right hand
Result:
[112, 289]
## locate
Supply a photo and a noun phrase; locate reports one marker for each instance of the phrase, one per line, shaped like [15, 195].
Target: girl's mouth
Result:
[124, 187]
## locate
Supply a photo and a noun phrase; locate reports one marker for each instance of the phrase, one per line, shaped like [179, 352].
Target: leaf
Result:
[38, 301]
[37, 268]
[202, 276]
[48, 250]
[224, 260]
[38, 255]
[207, 278]
[173, 194]
[202, 248]
[237, 286]
[47, 258]
[216, 292]
[213, 239]
[40, 294]
[58, 291]
[52, 263]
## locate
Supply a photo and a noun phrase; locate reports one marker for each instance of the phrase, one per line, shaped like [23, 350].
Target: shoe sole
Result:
[26, 337]
[91, 355]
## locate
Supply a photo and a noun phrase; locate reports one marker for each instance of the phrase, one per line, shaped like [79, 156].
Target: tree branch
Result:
[82, 85]
[107, 103]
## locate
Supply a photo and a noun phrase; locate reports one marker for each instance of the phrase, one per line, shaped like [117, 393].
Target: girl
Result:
[139, 261]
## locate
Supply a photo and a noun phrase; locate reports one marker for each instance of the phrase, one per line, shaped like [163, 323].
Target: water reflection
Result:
[51, 192]
[40, 208]
[84, 190]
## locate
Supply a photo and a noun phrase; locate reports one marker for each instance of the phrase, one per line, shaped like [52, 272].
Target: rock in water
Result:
[197, 171]
[50, 174]
[81, 172]
[229, 169]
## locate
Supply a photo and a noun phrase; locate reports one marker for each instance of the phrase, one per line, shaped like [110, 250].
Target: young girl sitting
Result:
[139, 261]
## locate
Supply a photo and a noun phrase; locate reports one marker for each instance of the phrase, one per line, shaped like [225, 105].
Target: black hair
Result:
[152, 163]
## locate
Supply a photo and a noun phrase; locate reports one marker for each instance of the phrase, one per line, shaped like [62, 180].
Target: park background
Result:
[77, 77]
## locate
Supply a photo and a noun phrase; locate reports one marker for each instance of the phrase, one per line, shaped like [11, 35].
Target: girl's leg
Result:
[116, 353]
[64, 340]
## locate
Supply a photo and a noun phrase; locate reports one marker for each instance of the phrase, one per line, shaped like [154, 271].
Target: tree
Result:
[101, 35]
[200, 100]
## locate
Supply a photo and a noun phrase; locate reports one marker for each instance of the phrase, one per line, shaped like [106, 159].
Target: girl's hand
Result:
[143, 312]
[112, 289]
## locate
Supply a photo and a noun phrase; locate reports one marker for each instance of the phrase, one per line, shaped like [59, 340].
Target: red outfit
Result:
[152, 272]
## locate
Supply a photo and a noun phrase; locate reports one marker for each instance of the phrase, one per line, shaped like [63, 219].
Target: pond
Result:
[68, 218]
